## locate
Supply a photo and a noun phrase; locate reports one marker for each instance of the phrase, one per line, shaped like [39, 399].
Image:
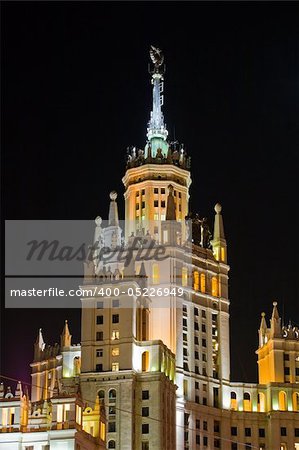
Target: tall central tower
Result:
[155, 331]
[151, 170]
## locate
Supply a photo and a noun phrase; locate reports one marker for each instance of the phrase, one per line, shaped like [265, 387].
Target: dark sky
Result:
[76, 92]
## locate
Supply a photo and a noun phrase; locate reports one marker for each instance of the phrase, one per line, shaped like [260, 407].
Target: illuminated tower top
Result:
[157, 149]
[156, 126]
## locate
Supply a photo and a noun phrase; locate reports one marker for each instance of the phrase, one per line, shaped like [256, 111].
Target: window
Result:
[142, 205]
[287, 371]
[112, 395]
[100, 305]
[203, 283]
[196, 340]
[216, 426]
[115, 318]
[296, 432]
[204, 357]
[184, 276]
[234, 431]
[196, 355]
[234, 446]
[261, 432]
[283, 431]
[217, 443]
[197, 439]
[156, 203]
[145, 411]
[196, 385]
[185, 337]
[214, 286]
[197, 399]
[286, 357]
[111, 444]
[204, 401]
[99, 367]
[204, 342]
[196, 281]
[137, 206]
[196, 311]
[203, 328]
[142, 191]
[248, 446]
[137, 194]
[247, 432]
[196, 327]
[205, 425]
[196, 369]
[99, 353]
[145, 428]
[246, 401]
[99, 336]
[205, 441]
[156, 274]
[163, 204]
[203, 313]
[145, 445]
[101, 394]
[115, 367]
[197, 424]
[185, 323]
[111, 427]
[115, 351]
[233, 400]
[297, 371]
[156, 190]
[145, 395]
[112, 410]
[115, 303]
[162, 190]
[115, 335]
[100, 320]
[282, 400]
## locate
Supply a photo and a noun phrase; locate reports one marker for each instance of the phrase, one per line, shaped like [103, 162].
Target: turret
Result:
[112, 233]
[275, 323]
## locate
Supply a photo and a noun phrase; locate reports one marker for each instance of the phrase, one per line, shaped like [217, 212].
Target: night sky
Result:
[76, 92]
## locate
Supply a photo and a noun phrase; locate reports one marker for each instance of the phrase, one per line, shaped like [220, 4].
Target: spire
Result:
[275, 328]
[156, 126]
[66, 337]
[170, 209]
[219, 241]
[39, 346]
[113, 211]
[263, 330]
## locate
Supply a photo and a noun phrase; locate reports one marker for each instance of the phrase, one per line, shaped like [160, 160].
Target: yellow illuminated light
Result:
[115, 351]
[203, 283]
[184, 276]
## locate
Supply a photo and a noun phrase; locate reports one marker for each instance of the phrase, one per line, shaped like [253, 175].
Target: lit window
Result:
[162, 216]
[115, 335]
[184, 276]
[202, 282]
[142, 217]
[196, 281]
[156, 216]
[115, 351]
[214, 286]
[115, 367]
[156, 274]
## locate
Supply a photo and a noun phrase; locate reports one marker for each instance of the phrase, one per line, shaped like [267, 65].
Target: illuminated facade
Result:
[153, 371]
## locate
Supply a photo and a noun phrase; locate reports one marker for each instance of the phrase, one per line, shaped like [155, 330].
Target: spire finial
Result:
[156, 126]
[66, 337]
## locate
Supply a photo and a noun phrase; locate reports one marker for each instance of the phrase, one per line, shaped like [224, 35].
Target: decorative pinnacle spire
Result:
[156, 126]
[113, 211]
[66, 337]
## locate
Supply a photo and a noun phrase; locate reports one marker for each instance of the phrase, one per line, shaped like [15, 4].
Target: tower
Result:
[155, 315]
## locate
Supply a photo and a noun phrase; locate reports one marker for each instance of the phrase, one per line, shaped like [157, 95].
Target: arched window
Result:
[261, 402]
[156, 274]
[282, 401]
[112, 395]
[145, 361]
[295, 401]
[233, 401]
[196, 281]
[215, 286]
[203, 283]
[101, 395]
[184, 276]
[77, 365]
[246, 401]
[111, 444]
